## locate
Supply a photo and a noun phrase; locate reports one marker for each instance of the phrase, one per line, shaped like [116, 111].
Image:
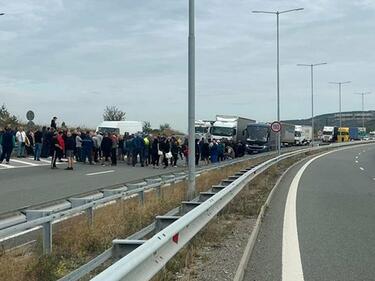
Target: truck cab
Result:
[224, 130]
[202, 129]
[329, 134]
[343, 134]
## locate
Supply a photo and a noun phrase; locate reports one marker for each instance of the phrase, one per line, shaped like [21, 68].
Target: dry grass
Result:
[75, 243]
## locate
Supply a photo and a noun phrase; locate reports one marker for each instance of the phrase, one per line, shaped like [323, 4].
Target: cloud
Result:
[71, 58]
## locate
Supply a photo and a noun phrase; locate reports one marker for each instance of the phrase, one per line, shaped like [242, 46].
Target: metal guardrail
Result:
[150, 256]
[44, 218]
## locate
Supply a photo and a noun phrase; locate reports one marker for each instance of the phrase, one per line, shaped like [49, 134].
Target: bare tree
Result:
[165, 126]
[146, 127]
[113, 113]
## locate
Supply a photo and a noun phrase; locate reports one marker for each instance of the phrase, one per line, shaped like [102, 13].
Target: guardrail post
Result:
[90, 216]
[141, 195]
[47, 238]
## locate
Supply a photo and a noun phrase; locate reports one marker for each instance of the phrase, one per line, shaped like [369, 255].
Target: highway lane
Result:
[320, 226]
[23, 187]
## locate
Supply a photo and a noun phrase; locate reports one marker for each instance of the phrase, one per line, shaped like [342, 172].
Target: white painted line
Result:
[100, 173]
[356, 161]
[24, 162]
[291, 256]
[362, 169]
[373, 179]
[6, 166]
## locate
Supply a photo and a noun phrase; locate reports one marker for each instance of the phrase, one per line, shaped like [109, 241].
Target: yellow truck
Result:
[343, 134]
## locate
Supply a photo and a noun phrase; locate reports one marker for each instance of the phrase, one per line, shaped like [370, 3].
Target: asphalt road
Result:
[321, 222]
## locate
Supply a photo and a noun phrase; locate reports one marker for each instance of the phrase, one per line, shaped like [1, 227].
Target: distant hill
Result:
[349, 119]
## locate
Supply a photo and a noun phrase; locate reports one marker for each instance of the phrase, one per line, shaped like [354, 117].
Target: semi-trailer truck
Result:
[343, 134]
[303, 135]
[202, 129]
[329, 134]
[232, 128]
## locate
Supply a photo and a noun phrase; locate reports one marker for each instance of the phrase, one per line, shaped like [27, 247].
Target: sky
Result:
[70, 58]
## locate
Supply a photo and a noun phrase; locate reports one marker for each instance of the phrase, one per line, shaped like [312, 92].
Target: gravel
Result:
[218, 261]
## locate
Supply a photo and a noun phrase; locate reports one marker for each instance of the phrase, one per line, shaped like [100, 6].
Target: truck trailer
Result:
[303, 135]
[231, 128]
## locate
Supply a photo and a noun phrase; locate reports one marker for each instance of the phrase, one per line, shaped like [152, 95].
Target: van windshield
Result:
[327, 133]
[109, 130]
[257, 133]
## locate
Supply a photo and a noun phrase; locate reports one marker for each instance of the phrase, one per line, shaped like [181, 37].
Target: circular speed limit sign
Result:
[276, 126]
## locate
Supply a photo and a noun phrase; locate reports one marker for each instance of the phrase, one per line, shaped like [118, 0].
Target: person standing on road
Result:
[87, 148]
[165, 147]
[69, 149]
[174, 151]
[7, 142]
[79, 147]
[1, 139]
[38, 138]
[106, 147]
[114, 149]
[214, 151]
[21, 139]
[57, 149]
[53, 123]
[155, 152]
[138, 148]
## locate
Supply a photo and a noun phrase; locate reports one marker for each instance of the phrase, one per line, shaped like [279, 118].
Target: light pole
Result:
[340, 84]
[312, 95]
[191, 101]
[363, 106]
[278, 13]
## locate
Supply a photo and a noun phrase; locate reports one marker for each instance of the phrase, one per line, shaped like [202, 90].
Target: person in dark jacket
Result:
[155, 152]
[69, 149]
[56, 148]
[197, 152]
[38, 138]
[138, 149]
[53, 123]
[106, 147]
[87, 148]
[7, 142]
[174, 151]
[165, 147]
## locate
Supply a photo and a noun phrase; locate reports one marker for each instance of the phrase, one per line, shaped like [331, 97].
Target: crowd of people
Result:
[105, 148]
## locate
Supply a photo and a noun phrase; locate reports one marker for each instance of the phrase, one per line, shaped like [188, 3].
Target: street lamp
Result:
[340, 84]
[312, 94]
[191, 102]
[363, 106]
[278, 13]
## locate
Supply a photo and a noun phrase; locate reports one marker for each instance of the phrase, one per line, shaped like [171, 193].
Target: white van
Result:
[120, 127]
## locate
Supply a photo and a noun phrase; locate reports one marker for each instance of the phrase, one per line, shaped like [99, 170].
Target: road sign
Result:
[276, 126]
[30, 115]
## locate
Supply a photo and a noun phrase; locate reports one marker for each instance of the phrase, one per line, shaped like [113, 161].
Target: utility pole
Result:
[340, 85]
[311, 66]
[278, 13]
[191, 101]
[363, 106]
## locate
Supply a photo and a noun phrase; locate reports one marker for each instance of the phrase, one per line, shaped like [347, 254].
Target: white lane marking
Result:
[24, 162]
[6, 166]
[373, 179]
[100, 173]
[356, 157]
[362, 169]
[356, 161]
[291, 256]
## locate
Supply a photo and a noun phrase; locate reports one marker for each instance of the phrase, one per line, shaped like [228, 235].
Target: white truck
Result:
[329, 134]
[202, 129]
[120, 127]
[232, 128]
[303, 135]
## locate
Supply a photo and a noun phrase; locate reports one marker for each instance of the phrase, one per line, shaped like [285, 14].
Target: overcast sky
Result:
[71, 58]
